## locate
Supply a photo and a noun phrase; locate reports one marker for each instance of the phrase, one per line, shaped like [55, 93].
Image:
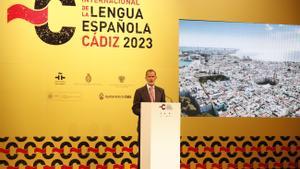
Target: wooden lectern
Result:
[160, 135]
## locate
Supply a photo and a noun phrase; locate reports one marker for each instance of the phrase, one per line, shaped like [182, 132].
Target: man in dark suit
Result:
[147, 93]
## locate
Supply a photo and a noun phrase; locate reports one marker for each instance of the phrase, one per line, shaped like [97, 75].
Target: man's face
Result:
[150, 78]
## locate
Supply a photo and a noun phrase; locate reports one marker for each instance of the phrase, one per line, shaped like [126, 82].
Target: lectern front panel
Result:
[160, 135]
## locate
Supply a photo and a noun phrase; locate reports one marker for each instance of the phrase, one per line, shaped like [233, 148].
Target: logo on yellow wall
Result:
[88, 78]
[101, 96]
[39, 18]
[60, 79]
[121, 78]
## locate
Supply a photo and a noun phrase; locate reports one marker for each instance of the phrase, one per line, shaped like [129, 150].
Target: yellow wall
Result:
[28, 67]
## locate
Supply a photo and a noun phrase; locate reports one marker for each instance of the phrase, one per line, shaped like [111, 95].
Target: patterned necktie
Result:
[152, 97]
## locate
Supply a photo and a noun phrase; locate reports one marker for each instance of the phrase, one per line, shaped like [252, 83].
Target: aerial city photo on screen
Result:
[229, 69]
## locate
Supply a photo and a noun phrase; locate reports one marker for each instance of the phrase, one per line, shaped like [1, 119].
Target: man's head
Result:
[150, 77]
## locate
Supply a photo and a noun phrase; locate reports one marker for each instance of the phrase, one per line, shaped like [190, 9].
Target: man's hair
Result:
[150, 70]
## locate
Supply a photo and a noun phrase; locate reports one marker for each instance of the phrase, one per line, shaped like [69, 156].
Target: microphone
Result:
[169, 99]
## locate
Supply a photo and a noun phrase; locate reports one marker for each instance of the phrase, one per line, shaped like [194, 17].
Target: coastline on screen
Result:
[230, 69]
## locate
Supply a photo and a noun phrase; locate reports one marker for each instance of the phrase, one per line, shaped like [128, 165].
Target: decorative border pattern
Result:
[121, 152]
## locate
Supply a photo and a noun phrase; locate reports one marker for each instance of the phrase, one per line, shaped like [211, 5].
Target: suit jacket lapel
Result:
[146, 94]
[157, 95]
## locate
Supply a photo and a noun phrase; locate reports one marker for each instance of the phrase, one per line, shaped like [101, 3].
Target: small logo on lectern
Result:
[166, 107]
[163, 106]
[169, 107]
